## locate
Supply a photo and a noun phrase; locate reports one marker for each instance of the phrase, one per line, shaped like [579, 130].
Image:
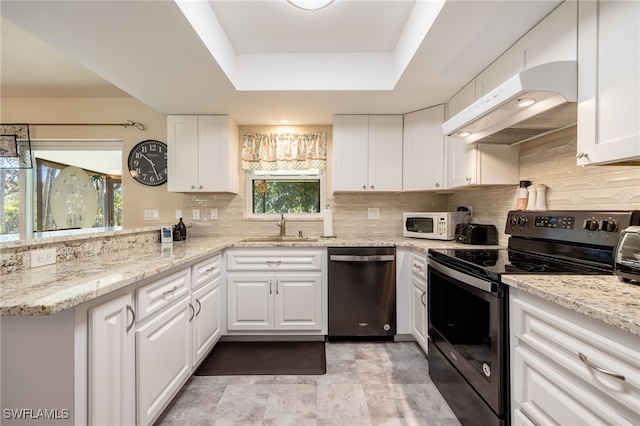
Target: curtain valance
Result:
[284, 151]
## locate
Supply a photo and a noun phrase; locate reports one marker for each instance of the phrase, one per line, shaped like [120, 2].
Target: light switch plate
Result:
[195, 214]
[374, 213]
[214, 213]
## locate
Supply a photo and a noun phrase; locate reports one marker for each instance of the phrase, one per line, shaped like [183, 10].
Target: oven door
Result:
[467, 323]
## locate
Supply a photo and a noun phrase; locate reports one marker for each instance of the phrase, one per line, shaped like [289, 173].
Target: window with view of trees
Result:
[274, 194]
[10, 198]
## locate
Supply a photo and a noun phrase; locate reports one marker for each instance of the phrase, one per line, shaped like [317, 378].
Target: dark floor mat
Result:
[271, 358]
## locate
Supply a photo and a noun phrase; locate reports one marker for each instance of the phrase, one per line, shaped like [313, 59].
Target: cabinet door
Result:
[419, 311]
[206, 322]
[608, 82]
[465, 97]
[250, 301]
[163, 358]
[217, 158]
[495, 74]
[385, 153]
[552, 39]
[298, 301]
[423, 150]
[350, 152]
[182, 153]
[462, 162]
[112, 399]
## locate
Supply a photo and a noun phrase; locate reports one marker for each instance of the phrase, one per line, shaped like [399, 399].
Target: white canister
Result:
[541, 197]
[532, 197]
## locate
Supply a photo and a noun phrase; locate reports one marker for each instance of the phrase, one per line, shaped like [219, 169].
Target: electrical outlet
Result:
[374, 213]
[43, 257]
[178, 213]
[214, 213]
[152, 215]
[470, 211]
[195, 214]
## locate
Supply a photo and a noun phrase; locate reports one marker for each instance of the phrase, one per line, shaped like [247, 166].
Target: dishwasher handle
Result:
[369, 258]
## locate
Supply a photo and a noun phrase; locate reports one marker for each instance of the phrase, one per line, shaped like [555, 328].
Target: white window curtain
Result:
[284, 151]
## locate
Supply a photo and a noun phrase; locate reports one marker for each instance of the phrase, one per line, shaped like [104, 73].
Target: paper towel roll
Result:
[327, 222]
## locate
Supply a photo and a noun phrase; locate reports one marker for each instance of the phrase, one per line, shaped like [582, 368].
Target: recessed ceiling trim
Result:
[311, 71]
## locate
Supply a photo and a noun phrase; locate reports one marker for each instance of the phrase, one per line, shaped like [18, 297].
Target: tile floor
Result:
[365, 384]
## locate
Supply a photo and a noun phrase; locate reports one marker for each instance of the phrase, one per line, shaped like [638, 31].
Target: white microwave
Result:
[432, 225]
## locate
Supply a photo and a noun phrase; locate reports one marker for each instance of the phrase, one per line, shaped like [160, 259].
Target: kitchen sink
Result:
[276, 239]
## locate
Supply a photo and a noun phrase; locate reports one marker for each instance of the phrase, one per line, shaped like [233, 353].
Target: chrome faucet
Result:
[283, 225]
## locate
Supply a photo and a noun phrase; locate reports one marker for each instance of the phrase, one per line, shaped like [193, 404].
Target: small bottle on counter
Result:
[523, 195]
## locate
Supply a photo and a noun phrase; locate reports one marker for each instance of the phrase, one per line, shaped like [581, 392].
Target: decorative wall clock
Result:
[148, 162]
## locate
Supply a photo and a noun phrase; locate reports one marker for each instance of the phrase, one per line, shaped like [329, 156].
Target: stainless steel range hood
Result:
[499, 117]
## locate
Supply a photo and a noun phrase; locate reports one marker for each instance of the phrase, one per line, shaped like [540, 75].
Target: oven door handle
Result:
[483, 285]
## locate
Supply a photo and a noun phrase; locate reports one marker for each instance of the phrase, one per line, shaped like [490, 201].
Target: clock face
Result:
[148, 162]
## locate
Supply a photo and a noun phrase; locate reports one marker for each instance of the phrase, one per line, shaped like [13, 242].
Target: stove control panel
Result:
[591, 227]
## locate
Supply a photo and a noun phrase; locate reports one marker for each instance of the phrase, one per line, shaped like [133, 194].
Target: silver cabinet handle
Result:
[270, 286]
[582, 154]
[193, 312]
[175, 287]
[424, 293]
[364, 186]
[277, 286]
[437, 185]
[418, 267]
[274, 262]
[372, 187]
[210, 270]
[133, 317]
[193, 187]
[199, 306]
[589, 364]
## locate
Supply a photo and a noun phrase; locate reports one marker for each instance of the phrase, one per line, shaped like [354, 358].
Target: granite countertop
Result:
[602, 297]
[50, 289]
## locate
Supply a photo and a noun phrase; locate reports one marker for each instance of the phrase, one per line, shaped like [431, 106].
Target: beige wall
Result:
[137, 197]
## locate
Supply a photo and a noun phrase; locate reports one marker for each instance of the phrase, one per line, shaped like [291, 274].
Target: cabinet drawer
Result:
[160, 293]
[274, 260]
[419, 265]
[204, 271]
[559, 335]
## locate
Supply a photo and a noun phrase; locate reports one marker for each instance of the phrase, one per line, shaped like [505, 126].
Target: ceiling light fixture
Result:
[464, 134]
[284, 121]
[525, 102]
[311, 5]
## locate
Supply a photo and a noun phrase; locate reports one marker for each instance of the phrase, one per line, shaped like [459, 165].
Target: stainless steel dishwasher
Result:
[362, 293]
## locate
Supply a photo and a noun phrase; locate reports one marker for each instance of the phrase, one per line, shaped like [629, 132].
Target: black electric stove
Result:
[549, 242]
[468, 302]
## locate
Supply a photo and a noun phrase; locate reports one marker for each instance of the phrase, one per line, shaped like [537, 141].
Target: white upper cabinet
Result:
[367, 153]
[465, 97]
[202, 153]
[555, 38]
[495, 74]
[423, 145]
[608, 82]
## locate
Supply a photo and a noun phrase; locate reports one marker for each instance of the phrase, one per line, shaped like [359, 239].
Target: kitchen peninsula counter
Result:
[50, 289]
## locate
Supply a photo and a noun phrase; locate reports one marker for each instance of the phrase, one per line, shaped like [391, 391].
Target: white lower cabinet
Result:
[419, 319]
[111, 391]
[284, 301]
[569, 369]
[163, 358]
[206, 321]
[274, 290]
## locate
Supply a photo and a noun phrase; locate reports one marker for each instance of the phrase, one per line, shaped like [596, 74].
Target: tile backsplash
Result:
[549, 160]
